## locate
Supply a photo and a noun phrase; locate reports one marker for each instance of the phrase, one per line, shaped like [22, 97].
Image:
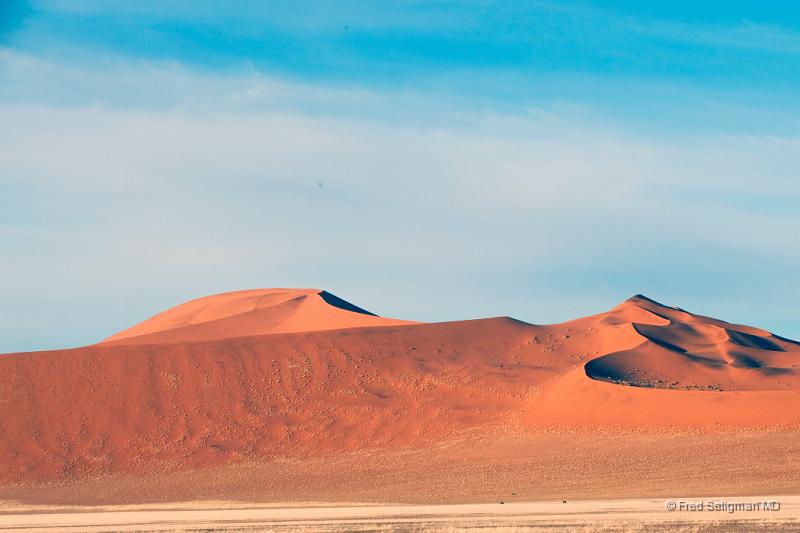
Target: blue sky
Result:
[425, 160]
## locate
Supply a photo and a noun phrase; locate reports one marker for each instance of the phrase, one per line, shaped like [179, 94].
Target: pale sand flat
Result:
[592, 515]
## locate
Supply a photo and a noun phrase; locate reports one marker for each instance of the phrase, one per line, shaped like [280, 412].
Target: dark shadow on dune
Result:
[604, 369]
[700, 360]
[776, 371]
[741, 360]
[655, 340]
[636, 297]
[667, 345]
[705, 361]
[752, 341]
[332, 299]
[659, 315]
[745, 361]
[785, 339]
[612, 368]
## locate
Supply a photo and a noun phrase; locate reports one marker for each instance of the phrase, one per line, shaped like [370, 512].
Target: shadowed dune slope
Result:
[268, 374]
[686, 351]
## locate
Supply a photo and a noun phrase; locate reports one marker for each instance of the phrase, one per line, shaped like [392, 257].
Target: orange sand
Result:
[253, 312]
[255, 377]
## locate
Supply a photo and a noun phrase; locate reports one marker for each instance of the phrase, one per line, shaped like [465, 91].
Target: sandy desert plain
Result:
[294, 410]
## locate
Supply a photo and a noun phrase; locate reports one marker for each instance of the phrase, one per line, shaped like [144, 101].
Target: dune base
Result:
[475, 467]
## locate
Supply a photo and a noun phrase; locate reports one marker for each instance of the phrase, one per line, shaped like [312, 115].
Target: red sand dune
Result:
[253, 312]
[268, 374]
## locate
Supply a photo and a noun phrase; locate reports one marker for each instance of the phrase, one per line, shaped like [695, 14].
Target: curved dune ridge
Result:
[252, 312]
[685, 351]
[285, 373]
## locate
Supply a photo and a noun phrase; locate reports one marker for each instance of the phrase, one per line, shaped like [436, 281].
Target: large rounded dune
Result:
[251, 312]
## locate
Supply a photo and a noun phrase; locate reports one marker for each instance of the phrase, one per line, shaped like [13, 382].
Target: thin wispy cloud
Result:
[126, 202]
[133, 179]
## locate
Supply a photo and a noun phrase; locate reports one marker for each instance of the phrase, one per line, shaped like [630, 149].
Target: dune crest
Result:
[251, 312]
[687, 351]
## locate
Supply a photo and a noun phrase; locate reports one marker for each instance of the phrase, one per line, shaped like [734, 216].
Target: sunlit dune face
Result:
[282, 373]
[251, 312]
